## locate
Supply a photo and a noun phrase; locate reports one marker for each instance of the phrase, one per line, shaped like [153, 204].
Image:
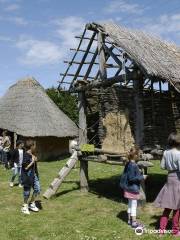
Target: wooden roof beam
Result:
[107, 82]
[81, 50]
[75, 62]
[84, 58]
[91, 64]
[67, 70]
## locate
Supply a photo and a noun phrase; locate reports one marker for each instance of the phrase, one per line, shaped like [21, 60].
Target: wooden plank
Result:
[116, 59]
[15, 140]
[67, 70]
[107, 57]
[102, 57]
[103, 151]
[106, 83]
[91, 64]
[73, 75]
[139, 111]
[83, 140]
[81, 50]
[75, 62]
[83, 59]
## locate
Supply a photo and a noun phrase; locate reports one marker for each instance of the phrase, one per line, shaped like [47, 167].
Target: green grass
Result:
[99, 214]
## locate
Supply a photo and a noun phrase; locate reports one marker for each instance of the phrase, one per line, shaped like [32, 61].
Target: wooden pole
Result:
[105, 83]
[15, 140]
[102, 57]
[139, 111]
[83, 140]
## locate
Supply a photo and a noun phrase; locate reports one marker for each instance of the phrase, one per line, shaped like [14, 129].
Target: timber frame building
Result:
[128, 86]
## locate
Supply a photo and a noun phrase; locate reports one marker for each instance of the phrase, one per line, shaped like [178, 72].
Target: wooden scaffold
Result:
[110, 56]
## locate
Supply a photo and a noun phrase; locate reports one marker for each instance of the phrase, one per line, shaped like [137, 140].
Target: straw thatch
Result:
[155, 57]
[27, 110]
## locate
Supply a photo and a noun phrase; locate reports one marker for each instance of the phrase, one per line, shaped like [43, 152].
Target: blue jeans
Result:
[36, 188]
[5, 159]
[1, 154]
[16, 172]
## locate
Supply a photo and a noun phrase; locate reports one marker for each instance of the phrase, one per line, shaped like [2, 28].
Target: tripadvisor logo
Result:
[140, 230]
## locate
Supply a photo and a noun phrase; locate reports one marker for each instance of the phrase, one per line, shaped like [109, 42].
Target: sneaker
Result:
[32, 207]
[20, 186]
[11, 184]
[136, 224]
[25, 209]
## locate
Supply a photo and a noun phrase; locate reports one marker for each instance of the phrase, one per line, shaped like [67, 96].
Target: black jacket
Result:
[27, 176]
[15, 157]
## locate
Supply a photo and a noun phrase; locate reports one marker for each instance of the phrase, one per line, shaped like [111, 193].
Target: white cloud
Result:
[3, 1]
[68, 28]
[18, 20]
[5, 39]
[15, 20]
[166, 26]
[12, 7]
[37, 53]
[123, 6]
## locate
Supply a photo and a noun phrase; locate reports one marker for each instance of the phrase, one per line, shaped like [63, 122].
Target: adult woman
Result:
[16, 162]
[169, 196]
[6, 144]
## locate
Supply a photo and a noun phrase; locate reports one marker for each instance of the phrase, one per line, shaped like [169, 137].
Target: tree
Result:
[65, 101]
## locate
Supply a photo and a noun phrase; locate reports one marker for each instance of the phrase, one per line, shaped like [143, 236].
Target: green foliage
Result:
[65, 101]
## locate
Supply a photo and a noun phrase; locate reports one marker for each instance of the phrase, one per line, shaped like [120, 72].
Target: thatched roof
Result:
[27, 110]
[157, 58]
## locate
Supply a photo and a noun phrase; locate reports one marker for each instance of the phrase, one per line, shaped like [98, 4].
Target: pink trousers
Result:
[175, 220]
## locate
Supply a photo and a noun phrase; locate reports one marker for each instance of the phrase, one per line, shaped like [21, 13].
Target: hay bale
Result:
[118, 135]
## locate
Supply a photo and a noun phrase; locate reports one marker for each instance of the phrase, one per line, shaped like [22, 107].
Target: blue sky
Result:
[36, 35]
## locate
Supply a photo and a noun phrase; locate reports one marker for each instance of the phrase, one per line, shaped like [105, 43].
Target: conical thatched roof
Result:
[27, 110]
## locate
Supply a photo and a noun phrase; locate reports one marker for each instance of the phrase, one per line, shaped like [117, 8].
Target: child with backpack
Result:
[130, 183]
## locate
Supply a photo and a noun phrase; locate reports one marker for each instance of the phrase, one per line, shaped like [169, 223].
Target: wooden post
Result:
[102, 57]
[139, 112]
[15, 140]
[103, 77]
[83, 140]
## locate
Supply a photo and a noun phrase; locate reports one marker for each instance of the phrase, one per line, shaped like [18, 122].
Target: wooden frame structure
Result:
[101, 61]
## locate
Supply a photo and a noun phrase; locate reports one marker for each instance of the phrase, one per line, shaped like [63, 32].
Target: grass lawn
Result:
[99, 214]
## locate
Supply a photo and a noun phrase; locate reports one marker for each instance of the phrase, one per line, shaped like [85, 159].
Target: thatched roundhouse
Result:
[28, 111]
[130, 83]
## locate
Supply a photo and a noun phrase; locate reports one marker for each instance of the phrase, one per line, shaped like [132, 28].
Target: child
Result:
[1, 149]
[169, 196]
[131, 185]
[30, 179]
[16, 162]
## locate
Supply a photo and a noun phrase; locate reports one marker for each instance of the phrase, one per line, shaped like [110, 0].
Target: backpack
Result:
[124, 178]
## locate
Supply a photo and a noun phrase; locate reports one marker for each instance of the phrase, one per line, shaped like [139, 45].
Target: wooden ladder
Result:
[56, 183]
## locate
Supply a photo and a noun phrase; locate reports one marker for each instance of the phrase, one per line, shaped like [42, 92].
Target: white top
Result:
[20, 156]
[72, 145]
[171, 160]
[6, 143]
